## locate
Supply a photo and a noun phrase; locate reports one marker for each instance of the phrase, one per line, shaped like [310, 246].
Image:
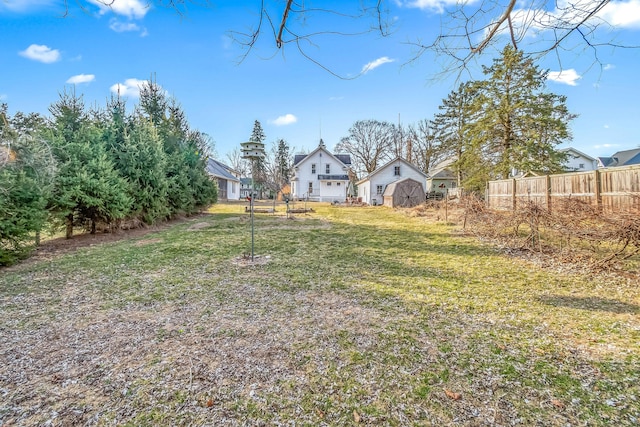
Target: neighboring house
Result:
[577, 161]
[372, 187]
[442, 178]
[320, 175]
[245, 187]
[228, 180]
[621, 158]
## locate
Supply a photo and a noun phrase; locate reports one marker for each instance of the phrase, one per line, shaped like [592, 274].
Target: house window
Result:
[338, 184]
[581, 165]
[396, 170]
[328, 169]
[378, 189]
[313, 168]
[311, 187]
[328, 184]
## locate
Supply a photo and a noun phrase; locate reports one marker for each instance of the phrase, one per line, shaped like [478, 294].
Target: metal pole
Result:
[251, 204]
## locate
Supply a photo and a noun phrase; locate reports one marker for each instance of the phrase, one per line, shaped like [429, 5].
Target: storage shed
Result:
[405, 193]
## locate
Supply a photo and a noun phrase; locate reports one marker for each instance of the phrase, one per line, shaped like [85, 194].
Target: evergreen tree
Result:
[27, 170]
[188, 186]
[258, 167]
[520, 124]
[257, 135]
[283, 161]
[139, 157]
[452, 129]
[88, 188]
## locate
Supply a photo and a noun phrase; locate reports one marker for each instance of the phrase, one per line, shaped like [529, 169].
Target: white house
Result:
[371, 188]
[320, 175]
[442, 178]
[577, 161]
[228, 180]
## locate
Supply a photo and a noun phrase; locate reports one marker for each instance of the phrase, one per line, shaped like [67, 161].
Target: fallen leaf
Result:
[320, 413]
[452, 395]
[356, 416]
[558, 404]
[209, 403]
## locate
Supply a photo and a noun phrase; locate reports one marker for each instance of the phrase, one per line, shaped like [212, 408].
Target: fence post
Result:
[513, 194]
[549, 193]
[598, 189]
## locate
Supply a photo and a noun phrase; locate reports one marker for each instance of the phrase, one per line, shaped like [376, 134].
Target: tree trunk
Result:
[69, 226]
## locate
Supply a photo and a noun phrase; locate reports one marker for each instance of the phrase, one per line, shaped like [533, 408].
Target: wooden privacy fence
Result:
[611, 190]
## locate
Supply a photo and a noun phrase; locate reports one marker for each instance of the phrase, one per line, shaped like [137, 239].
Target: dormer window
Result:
[396, 170]
[313, 168]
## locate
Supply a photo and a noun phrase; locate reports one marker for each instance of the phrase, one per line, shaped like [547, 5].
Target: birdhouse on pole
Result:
[252, 150]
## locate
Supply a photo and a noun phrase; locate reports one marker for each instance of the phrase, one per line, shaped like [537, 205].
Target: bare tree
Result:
[467, 29]
[537, 28]
[370, 143]
[426, 149]
[238, 163]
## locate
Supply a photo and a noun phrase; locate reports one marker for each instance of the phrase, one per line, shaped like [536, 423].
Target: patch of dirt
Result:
[245, 260]
[51, 248]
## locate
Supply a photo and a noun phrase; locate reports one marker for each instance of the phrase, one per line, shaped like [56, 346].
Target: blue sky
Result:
[48, 47]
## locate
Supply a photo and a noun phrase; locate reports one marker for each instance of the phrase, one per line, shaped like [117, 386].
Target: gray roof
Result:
[622, 158]
[219, 170]
[344, 158]
[298, 158]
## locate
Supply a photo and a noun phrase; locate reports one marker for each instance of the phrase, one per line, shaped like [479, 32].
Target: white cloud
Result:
[375, 64]
[130, 87]
[533, 22]
[336, 98]
[608, 67]
[123, 27]
[569, 77]
[606, 126]
[3, 97]
[81, 78]
[42, 53]
[132, 9]
[436, 5]
[287, 119]
[622, 14]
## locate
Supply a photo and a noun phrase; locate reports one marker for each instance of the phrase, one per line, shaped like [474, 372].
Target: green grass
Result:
[360, 314]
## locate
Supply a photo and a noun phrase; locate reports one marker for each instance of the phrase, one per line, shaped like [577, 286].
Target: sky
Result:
[300, 92]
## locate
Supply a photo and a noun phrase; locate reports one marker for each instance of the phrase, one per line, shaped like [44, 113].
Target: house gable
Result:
[372, 187]
[320, 175]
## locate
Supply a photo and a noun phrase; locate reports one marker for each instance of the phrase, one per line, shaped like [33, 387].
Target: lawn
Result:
[346, 316]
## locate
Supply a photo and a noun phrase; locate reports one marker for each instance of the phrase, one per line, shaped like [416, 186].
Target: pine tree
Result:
[452, 128]
[88, 188]
[27, 170]
[139, 156]
[521, 124]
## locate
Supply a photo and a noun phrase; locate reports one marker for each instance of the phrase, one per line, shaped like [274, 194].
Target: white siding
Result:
[385, 175]
[580, 163]
[326, 190]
